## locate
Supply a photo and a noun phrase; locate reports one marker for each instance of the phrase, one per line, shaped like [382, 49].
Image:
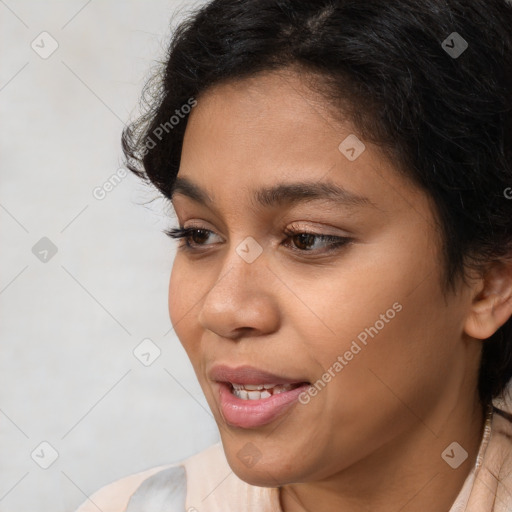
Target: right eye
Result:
[193, 237]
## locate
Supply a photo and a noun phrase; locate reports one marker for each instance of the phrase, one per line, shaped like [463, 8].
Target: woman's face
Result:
[366, 320]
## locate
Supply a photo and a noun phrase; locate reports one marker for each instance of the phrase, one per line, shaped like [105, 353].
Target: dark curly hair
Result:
[396, 68]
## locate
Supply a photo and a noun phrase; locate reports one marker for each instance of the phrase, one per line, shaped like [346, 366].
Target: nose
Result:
[242, 301]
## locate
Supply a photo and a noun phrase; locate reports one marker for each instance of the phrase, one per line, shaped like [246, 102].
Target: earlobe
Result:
[492, 306]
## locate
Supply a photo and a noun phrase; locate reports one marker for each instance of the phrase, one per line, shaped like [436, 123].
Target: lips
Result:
[240, 402]
[250, 375]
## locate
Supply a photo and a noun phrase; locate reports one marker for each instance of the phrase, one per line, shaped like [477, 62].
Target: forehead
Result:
[251, 138]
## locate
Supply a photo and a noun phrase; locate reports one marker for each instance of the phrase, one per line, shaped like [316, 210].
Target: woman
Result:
[340, 172]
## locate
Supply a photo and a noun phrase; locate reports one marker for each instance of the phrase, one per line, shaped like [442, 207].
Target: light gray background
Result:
[69, 326]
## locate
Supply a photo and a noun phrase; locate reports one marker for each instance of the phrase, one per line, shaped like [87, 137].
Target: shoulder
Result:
[499, 459]
[115, 496]
[167, 482]
[493, 482]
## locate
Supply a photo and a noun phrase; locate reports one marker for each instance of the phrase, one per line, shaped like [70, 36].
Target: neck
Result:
[407, 474]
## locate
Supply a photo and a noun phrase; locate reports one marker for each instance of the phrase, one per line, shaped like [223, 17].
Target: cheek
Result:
[181, 302]
[174, 299]
[396, 349]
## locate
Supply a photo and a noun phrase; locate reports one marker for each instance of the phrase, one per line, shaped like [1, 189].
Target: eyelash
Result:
[334, 242]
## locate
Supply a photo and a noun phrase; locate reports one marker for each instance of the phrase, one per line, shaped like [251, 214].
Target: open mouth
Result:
[255, 405]
[250, 397]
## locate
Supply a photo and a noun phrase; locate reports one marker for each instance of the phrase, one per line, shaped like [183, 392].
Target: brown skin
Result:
[373, 438]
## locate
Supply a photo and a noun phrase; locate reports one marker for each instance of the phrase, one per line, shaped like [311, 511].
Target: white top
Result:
[205, 483]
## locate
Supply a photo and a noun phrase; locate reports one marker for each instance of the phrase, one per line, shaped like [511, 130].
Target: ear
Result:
[492, 303]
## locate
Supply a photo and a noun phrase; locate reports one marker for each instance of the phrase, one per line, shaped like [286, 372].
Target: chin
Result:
[273, 471]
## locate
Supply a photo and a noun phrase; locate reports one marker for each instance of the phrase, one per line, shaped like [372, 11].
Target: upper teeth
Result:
[257, 392]
[254, 387]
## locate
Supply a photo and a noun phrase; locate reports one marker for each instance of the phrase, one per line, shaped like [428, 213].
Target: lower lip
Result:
[255, 413]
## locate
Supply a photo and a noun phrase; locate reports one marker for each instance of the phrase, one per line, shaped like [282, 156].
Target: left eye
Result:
[302, 241]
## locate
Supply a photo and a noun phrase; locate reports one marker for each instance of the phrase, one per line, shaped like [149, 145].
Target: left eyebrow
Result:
[280, 194]
[301, 192]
